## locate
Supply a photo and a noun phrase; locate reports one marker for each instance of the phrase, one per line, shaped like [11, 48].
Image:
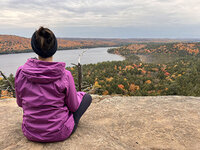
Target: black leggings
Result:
[85, 103]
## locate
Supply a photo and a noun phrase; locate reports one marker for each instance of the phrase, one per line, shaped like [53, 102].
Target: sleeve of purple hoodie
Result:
[73, 98]
[18, 99]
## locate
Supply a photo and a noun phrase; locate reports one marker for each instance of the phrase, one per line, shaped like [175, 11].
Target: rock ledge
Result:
[114, 122]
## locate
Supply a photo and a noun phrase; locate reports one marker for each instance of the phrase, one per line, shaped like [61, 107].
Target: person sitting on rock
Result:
[46, 91]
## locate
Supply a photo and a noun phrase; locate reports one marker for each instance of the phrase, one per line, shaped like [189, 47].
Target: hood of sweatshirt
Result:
[43, 72]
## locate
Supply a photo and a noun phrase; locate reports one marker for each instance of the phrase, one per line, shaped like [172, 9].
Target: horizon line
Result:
[169, 38]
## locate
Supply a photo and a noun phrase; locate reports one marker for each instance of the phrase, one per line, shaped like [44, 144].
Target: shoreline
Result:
[117, 54]
[59, 49]
[8, 71]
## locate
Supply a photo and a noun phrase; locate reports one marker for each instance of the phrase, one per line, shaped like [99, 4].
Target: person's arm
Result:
[18, 99]
[72, 100]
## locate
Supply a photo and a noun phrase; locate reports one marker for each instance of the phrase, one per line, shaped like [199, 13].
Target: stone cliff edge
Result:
[115, 122]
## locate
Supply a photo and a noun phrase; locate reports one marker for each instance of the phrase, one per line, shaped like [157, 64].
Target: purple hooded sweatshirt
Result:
[47, 94]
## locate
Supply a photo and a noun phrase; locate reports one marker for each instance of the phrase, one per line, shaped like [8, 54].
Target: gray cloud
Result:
[100, 14]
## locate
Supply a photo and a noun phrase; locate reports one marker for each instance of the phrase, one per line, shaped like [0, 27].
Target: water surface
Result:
[10, 62]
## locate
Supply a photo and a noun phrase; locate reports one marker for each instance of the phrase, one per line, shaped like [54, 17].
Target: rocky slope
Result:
[124, 123]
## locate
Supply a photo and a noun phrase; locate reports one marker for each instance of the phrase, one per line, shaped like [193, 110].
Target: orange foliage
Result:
[135, 47]
[11, 42]
[148, 82]
[167, 73]
[109, 79]
[155, 69]
[16, 43]
[133, 87]
[129, 67]
[143, 72]
[105, 92]
[121, 86]
[189, 47]
[5, 94]
[96, 84]
[152, 91]
[179, 75]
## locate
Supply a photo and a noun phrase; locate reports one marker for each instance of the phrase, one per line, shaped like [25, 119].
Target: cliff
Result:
[114, 122]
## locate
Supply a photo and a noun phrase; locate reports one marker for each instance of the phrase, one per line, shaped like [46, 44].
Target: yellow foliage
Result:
[129, 67]
[125, 79]
[167, 78]
[109, 79]
[179, 75]
[96, 84]
[1, 78]
[173, 75]
[72, 68]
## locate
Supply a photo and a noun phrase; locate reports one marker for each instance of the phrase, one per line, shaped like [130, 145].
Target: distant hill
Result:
[16, 44]
[11, 43]
[180, 48]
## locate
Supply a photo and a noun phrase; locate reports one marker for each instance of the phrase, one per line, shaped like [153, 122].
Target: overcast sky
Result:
[102, 18]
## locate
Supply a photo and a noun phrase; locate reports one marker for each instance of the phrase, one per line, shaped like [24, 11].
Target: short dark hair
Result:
[45, 39]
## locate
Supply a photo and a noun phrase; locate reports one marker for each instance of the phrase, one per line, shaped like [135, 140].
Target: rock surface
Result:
[124, 123]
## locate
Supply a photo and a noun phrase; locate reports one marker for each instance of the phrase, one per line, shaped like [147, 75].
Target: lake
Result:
[10, 62]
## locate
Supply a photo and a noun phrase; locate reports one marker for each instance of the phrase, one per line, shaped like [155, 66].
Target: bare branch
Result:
[74, 64]
[80, 55]
[10, 84]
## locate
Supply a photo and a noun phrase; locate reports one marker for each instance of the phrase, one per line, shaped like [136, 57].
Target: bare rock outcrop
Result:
[114, 122]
